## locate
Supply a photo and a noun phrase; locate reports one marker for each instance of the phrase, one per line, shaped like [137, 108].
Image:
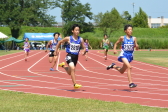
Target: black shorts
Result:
[51, 54]
[71, 58]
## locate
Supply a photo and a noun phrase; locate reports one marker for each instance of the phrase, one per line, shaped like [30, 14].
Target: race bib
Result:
[74, 47]
[53, 47]
[129, 47]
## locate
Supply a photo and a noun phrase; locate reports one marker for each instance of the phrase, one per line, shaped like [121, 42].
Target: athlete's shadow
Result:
[72, 90]
[127, 90]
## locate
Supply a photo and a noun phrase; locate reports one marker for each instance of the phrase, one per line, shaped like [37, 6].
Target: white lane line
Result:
[19, 61]
[134, 66]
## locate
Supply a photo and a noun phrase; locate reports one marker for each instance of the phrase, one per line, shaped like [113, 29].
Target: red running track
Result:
[34, 77]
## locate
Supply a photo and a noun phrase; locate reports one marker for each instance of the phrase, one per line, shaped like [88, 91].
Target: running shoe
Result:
[110, 66]
[132, 85]
[51, 69]
[61, 64]
[77, 86]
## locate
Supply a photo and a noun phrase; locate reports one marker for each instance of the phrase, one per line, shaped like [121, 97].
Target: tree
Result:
[16, 13]
[75, 12]
[109, 21]
[140, 19]
[126, 17]
[97, 18]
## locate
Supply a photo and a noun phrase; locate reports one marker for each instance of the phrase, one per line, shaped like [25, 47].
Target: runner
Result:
[26, 48]
[72, 48]
[126, 55]
[105, 45]
[87, 45]
[52, 44]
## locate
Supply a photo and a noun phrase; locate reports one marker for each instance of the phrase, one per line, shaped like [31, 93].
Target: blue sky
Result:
[153, 8]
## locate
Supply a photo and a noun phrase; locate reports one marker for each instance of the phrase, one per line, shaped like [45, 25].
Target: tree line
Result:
[18, 13]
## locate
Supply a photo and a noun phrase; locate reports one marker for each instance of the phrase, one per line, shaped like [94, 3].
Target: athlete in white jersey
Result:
[26, 48]
[105, 45]
[72, 48]
[126, 55]
[52, 45]
[87, 45]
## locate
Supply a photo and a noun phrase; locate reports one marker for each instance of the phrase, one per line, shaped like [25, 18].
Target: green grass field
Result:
[6, 52]
[23, 102]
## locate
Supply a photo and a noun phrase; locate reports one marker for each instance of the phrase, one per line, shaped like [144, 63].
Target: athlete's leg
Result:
[71, 70]
[126, 65]
[51, 59]
[120, 69]
[26, 54]
[86, 55]
[105, 53]
[54, 61]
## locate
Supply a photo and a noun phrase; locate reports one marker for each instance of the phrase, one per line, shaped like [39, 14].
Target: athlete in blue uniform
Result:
[72, 48]
[52, 44]
[126, 55]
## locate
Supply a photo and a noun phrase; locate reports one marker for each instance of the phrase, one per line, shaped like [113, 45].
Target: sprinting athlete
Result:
[105, 45]
[72, 48]
[87, 45]
[26, 48]
[126, 55]
[52, 44]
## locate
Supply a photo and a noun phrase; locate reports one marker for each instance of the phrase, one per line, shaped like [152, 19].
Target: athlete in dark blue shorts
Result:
[126, 55]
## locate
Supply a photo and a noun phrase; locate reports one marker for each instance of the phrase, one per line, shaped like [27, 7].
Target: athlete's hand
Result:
[115, 51]
[45, 50]
[55, 53]
[137, 47]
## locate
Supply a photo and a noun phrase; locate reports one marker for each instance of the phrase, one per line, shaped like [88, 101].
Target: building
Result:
[157, 22]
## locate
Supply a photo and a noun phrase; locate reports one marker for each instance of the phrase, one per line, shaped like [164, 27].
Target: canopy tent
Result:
[2, 36]
[14, 39]
[2, 45]
[39, 36]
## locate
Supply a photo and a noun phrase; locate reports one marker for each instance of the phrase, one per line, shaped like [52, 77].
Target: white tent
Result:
[3, 35]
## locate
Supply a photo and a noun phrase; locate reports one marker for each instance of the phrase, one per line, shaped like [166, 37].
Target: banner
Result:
[39, 36]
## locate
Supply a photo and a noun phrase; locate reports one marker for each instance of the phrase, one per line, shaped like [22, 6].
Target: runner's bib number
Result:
[74, 47]
[53, 47]
[129, 47]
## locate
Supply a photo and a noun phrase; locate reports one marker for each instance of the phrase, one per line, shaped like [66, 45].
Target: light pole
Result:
[133, 8]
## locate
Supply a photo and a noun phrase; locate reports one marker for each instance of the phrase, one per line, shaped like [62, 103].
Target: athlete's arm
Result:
[101, 44]
[108, 41]
[49, 43]
[89, 45]
[83, 46]
[66, 39]
[115, 45]
[136, 45]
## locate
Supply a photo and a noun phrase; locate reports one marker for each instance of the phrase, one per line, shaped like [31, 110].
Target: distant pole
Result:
[133, 8]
